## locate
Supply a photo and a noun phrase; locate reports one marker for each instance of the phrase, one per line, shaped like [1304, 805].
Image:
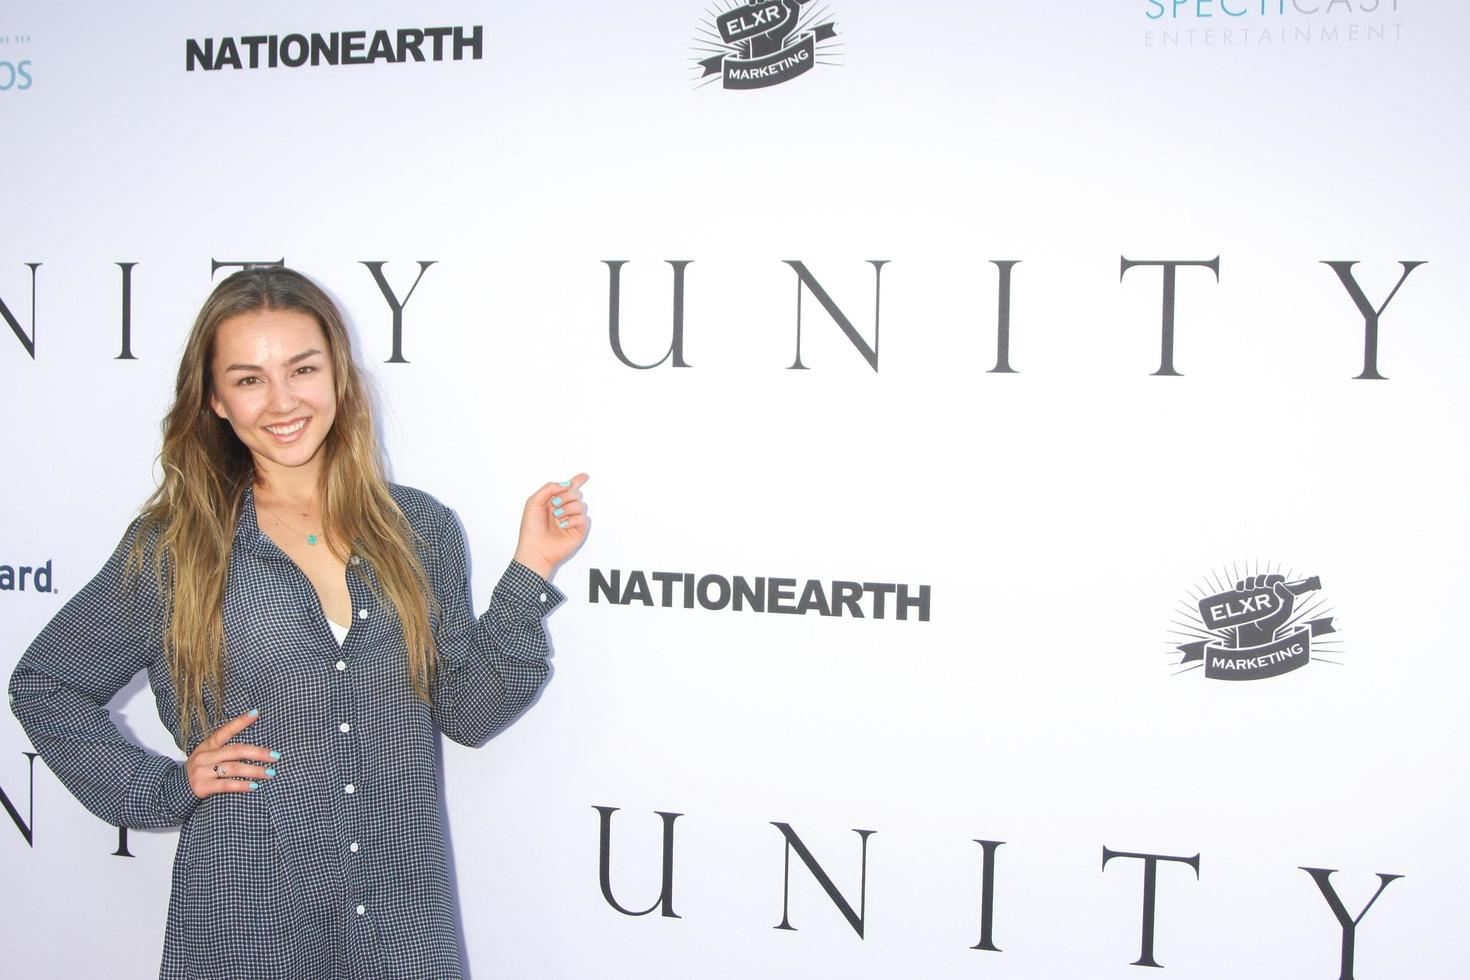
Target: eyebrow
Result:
[256, 367]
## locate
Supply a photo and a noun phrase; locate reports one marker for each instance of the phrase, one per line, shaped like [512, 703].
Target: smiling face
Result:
[272, 381]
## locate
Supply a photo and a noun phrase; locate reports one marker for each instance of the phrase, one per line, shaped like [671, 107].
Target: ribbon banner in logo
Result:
[1255, 634]
[780, 66]
[1282, 655]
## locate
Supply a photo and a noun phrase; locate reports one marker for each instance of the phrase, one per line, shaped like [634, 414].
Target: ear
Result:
[217, 406]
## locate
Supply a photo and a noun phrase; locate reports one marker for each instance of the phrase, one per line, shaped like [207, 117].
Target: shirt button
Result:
[349, 789]
[353, 847]
[543, 597]
[362, 910]
[344, 728]
[341, 665]
[362, 614]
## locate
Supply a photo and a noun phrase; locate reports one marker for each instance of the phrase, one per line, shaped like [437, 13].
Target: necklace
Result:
[311, 539]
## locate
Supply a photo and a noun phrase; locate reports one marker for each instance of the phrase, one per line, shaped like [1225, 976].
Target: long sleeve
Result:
[492, 667]
[99, 640]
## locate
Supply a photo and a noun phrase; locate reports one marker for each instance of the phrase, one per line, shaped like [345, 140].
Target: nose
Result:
[283, 398]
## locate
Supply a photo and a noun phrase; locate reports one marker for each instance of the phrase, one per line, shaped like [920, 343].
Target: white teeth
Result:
[285, 430]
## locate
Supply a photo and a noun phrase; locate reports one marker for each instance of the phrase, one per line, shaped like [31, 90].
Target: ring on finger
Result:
[219, 770]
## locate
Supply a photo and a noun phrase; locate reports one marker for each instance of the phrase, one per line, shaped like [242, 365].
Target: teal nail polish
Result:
[563, 524]
[254, 786]
[275, 755]
[559, 512]
[556, 501]
[565, 483]
[271, 773]
[255, 712]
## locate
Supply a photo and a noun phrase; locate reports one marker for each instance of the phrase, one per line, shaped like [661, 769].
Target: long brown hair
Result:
[189, 522]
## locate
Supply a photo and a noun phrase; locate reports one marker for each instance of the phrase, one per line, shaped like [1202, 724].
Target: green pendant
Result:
[311, 540]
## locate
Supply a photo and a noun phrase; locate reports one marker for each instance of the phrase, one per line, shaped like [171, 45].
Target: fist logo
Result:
[773, 40]
[1253, 614]
[762, 43]
[1254, 630]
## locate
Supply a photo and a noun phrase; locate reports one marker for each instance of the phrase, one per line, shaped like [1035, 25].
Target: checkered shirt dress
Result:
[336, 867]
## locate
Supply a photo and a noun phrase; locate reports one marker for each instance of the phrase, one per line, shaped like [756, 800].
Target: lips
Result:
[287, 431]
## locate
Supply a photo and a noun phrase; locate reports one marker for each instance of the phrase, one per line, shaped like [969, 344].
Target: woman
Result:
[306, 630]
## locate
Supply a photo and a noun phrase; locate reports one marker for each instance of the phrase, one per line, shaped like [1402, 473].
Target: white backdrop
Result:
[1060, 515]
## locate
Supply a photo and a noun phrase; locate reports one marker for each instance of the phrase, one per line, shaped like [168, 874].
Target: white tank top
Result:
[339, 631]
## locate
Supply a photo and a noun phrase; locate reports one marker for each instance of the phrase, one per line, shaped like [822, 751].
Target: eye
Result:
[306, 369]
[249, 379]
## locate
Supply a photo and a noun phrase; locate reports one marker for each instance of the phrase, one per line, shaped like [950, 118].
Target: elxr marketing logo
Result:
[1269, 623]
[763, 42]
[15, 68]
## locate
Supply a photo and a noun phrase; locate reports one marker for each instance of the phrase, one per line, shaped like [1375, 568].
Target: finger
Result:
[237, 753]
[207, 780]
[543, 494]
[569, 510]
[240, 770]
[216, 786]
[565, 496]
[556, 494]
[229, 730]
[573, 522]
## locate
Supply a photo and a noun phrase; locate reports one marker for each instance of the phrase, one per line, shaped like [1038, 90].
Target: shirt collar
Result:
[248, 534]
[250, 537]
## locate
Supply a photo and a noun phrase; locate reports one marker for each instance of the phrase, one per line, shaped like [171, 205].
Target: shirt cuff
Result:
[176, 797]
[528, 590]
